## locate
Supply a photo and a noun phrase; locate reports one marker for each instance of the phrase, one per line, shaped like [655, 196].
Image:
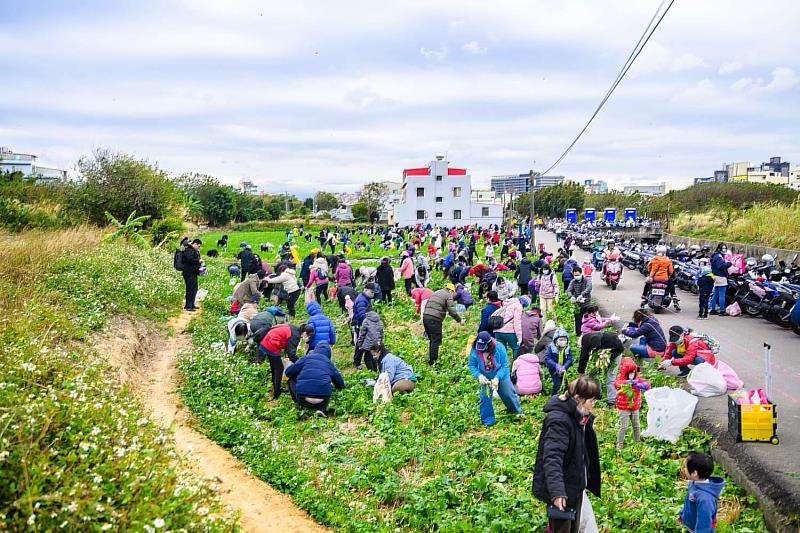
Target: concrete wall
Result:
[749, 250]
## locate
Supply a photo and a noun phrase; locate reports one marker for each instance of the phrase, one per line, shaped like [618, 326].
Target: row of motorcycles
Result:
[767, 288]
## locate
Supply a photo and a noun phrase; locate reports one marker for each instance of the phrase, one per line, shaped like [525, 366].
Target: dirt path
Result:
[261, 508]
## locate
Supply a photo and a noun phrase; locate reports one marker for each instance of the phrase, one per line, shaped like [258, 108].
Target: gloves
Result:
[663, 364]
[572, 300]
[560, 369]
[642, 386]
[495, 383]
[631, 382]
[483, 380]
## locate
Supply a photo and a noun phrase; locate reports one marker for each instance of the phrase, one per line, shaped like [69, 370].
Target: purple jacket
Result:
[343, 275]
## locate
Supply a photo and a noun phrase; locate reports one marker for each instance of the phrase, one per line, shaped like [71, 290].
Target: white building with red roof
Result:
[441, 195]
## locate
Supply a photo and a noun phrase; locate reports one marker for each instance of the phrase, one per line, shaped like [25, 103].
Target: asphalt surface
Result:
[776, 469]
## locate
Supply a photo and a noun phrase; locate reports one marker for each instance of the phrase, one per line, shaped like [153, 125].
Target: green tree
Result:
[308, 203]
[325, 201]
[219, 206]
[275, 207]
[554, 201]
[360, 211]
[373, 195]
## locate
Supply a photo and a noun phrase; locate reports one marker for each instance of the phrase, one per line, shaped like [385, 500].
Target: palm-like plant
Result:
[129, 230]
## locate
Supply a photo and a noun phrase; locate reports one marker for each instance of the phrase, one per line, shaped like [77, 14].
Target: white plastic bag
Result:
[669, 411]
[588, 522]
[383, 389]
[707, 381]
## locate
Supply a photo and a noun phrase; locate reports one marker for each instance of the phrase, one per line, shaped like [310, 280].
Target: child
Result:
[699, 513]
[489, 251]
[588, 269]
[557, 359]
[705, 286]
[547, 287]
[592, 321]
[629, 398]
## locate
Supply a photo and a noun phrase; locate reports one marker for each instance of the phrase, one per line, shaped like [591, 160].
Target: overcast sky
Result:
[305, 95]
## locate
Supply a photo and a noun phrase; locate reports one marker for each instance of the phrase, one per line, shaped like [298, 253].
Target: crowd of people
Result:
[518, 333]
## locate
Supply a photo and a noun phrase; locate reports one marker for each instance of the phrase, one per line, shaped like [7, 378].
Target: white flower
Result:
[72, 507]
[106, 527]
[97, 478]
[31, 519]
[158, 522]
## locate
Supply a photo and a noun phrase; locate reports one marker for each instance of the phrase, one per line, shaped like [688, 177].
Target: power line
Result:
[628, 64]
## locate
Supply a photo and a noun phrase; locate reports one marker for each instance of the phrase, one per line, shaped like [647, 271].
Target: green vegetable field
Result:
[423, 462]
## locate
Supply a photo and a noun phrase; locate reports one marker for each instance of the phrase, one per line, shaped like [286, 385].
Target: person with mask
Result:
[558, 359]
[547, 287]
[579, 291]
[719, 267]
[659, 269]
[488, 363]
[567, 457]
[685, 350]
[401, 375]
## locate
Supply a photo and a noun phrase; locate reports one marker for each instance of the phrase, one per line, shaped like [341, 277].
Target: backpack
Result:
[711, 342]
[177, 260]
[498, 319]
[322, 277]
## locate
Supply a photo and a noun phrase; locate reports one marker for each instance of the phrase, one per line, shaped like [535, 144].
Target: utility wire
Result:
[625, 67]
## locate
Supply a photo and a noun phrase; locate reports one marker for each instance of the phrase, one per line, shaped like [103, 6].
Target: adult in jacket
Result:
[488, 363]
[719, 267]
[462, 298]
[289, 288]
[510, 335]
[245, 257]
[595, 341]
[567, 458]
[401, 375]
[343, 275]
[250, 289]
[190, 256]
[305, 269]
[684, 350]
[419, 295]
[567, 270]
[531, 329]
[370, 334]
[384, 275]
[282, 338]
[524, 274]
[438, 306]
[407, 270]
[645, 327]
[579, 291]
[312, 377]
[263, 321]
[323, 327]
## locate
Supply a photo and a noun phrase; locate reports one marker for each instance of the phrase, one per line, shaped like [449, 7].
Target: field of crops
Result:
[423, 462]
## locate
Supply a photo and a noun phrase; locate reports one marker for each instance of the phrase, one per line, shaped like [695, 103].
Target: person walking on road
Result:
[437, 307]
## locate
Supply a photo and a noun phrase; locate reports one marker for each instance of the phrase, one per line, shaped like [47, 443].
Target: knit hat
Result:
[675, 333]
[525, 301]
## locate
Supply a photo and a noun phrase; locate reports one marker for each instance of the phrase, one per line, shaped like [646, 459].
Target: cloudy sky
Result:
[306, 95]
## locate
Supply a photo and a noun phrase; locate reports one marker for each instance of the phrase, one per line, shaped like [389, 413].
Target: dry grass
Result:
[27, 254]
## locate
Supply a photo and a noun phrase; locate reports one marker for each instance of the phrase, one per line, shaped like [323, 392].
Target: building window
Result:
[457, 214]
[420, 192]
[456, 192]
[438, 215]
[420, 215]
[438, 178]
[438, 199]
[484, 211]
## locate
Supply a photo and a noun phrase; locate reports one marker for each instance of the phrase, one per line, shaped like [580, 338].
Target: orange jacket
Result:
[660, 268]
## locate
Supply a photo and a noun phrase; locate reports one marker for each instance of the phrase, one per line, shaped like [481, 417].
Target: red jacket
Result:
[420, 294]
[629, 399]
[282, 337]
[479, 270]
[694, 347]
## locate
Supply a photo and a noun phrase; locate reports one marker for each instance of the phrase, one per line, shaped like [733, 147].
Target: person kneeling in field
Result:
[401, 375]
[488, 363]
[311, 378]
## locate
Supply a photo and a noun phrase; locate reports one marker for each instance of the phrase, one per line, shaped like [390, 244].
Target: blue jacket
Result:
[315, 373]
[463, 296]
[566, 274]
[553, 356]
[396, 368]
[323, 327]
[448, 259]
[705, 281]
[500, 371]
[699, 513]
[486, 312]
[719, 267]
[305, 270]
[360, 307]
[652, 332]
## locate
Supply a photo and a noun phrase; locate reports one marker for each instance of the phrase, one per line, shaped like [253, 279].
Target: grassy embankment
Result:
[424, 461]
[77, 453]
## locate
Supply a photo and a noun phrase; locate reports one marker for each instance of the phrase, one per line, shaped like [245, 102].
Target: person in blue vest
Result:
[488, 363]
[323, 327]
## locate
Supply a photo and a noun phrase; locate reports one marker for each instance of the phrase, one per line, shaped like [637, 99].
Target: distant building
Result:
[765, 175]
[595, 186]
[26, 163]
[347, 198]
[394, 193]
[343, 213]
[441, 195]
[775, 165]
[737, 171]
[646, 190]
[709, 179]
[520, 183]
[248, 187]
[794, 178]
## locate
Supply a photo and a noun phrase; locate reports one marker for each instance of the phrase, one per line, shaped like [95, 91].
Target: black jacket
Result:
[385, 276]
[191, 261]
[245, 257]
[523, 273]
[598, 340]
[342, 292]
[567, 460]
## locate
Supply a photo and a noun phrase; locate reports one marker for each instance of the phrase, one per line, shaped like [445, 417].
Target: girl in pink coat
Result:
[526, 372]
[592, 321]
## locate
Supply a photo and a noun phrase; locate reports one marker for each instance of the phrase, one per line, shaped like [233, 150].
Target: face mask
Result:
[545, 272]
[724, 250]
[680, 340]
[578, 277]
[561, 343]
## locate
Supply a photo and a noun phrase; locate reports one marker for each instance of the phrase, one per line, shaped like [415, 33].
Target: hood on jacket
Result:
[322, 348]
[560, 333]
[313, 308]
[713, 487]
[372, 315]
[568, 407]
[525, 260]
[627, 365]
[549, 326]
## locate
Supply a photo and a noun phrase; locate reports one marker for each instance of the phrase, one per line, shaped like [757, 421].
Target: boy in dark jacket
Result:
[705, 286]
[311, 377]
[384, 275]
[524, 274]
[699, 512]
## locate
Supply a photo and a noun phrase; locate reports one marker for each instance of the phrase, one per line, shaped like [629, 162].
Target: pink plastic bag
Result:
[734, 309]
[731, 379]
[736, 261]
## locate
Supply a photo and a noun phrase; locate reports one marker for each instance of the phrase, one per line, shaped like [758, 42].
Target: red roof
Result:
[456, 171]
[416, 172]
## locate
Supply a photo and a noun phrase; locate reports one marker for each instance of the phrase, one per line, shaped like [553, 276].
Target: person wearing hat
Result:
[438, 306]
[558, 359]
[384, 275]
[685, 350]
[510, 334]
[192, 265]
[488, 363]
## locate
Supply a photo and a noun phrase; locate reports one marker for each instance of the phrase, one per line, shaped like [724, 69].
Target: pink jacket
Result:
[315, 279]
[407, 268]
[513, 313]
[593, 323]
[344, 274]
[547, 285]
[527, 368]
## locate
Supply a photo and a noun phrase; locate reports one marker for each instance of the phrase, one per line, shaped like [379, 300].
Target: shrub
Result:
[161, 228]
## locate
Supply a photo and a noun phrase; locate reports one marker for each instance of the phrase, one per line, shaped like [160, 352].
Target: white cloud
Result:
[438, 55]
[473, 47]
[729, 68]
[783, 79]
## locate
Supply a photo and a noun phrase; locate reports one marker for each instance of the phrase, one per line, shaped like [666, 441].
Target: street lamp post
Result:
[533, 210]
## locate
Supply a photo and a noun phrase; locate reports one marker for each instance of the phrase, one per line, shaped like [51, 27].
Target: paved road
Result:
[741, 339]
